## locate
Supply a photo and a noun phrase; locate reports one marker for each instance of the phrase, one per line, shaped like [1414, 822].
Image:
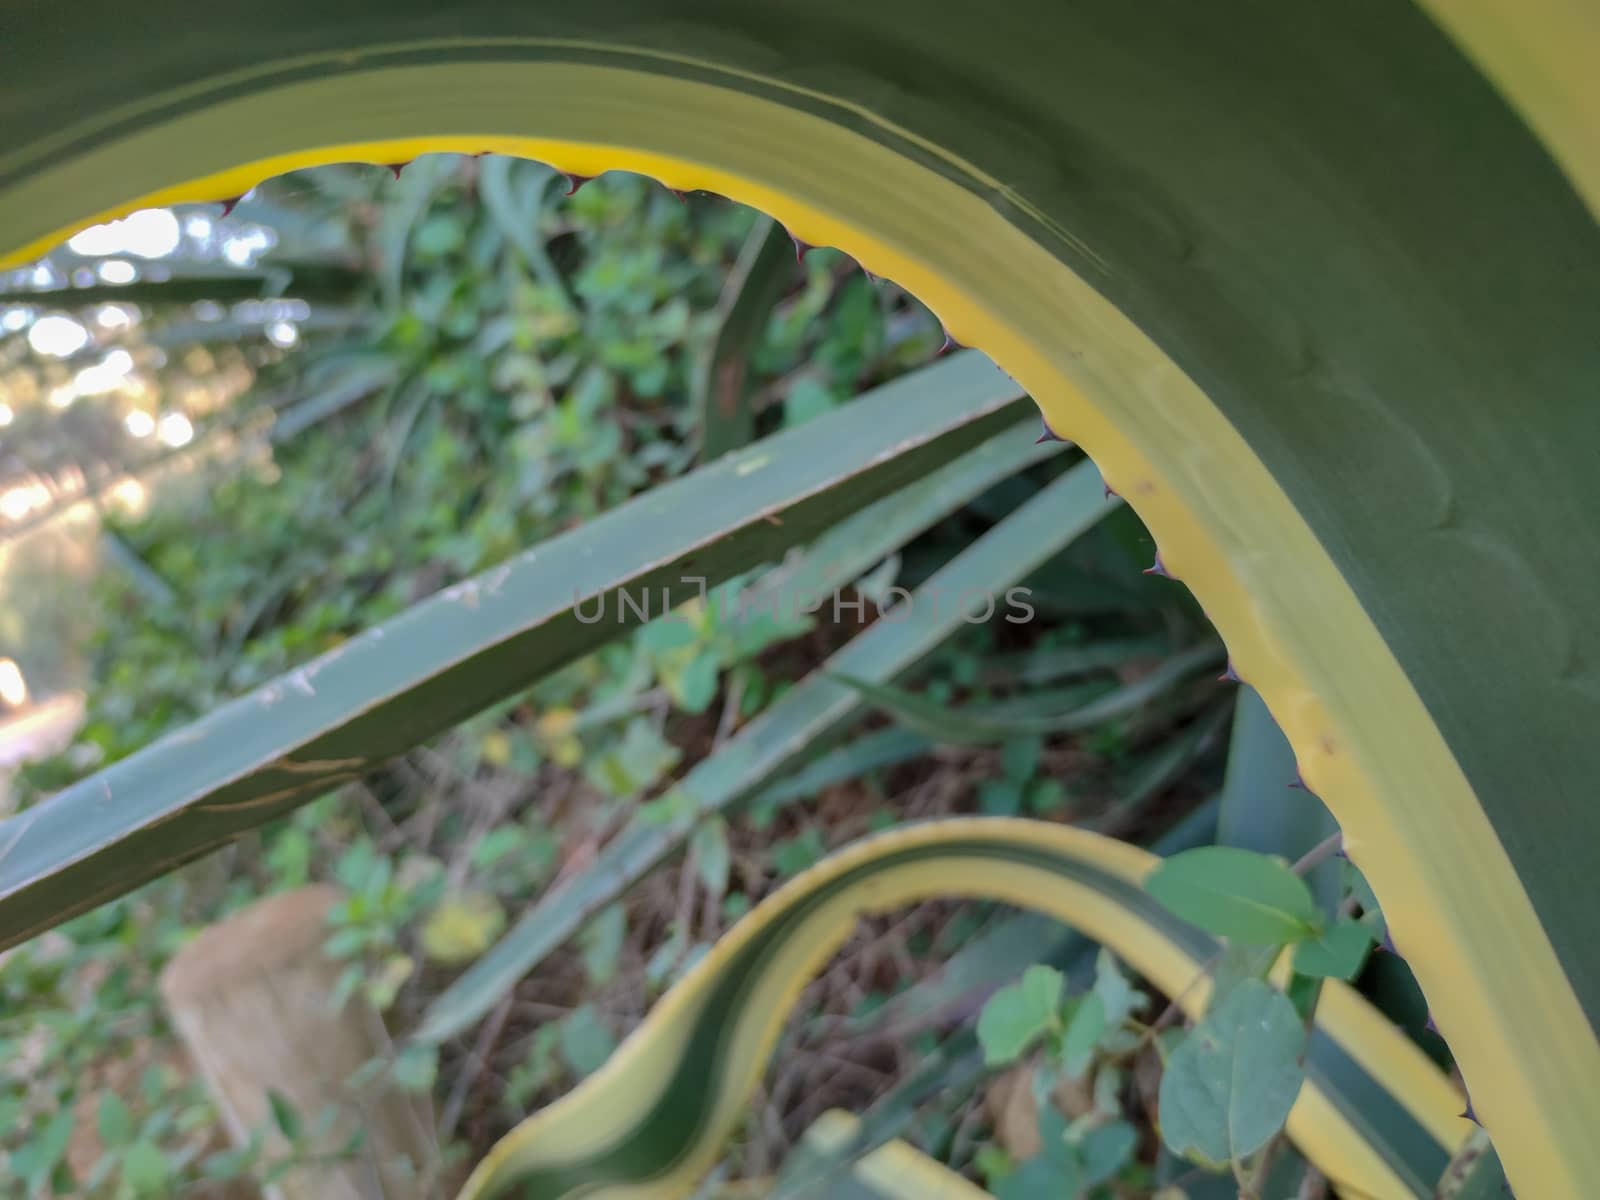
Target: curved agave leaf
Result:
[893, 1171]
[655, 1116]
[1316, 291]
[990, 960]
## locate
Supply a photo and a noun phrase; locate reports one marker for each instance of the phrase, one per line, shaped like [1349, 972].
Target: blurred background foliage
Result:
[232, 442]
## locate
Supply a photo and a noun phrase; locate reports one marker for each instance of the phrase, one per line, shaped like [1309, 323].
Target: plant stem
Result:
[1321, 851]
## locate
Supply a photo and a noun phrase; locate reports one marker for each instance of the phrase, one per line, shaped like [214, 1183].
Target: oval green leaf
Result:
[1229, 1086]
[1237, 894]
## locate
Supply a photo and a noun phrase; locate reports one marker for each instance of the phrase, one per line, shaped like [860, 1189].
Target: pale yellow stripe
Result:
[894, 1167]
[1544, 56]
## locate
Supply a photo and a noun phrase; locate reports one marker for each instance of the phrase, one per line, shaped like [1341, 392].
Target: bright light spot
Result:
[139, 423]
[13, 688]
[197, 227]
[57, 336]
[208, 310]
[44, 276]
[6, 415]
[114, 316]
[98, 239]
[130, 495]
[15, 318]
[18, 502]
[104, 376]
[242, 248]
[282, 333]
[175, 430]
[118, 270]
[63, 394]
[150, 233]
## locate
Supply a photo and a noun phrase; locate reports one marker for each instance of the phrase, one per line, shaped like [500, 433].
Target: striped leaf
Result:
[892, 1171]
[656, 1114]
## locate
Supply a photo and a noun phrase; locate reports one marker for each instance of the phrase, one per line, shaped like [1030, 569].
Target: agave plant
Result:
[1315, 290]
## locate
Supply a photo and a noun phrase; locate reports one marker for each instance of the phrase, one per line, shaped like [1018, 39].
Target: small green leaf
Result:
[417, 1067]
[710, 846]
[533, 1072]
[602, 940]
[346, 942]
[1106, 1149]
[585, 1042]
[695, 687]
[1337, 954]
[994, 1163]
[999, 798]
[1121, 998]
[114, 1122]
[1229, 1085]
[1017, 1016]
[1053, 1172]
[1236, 894]
[795, 854]
[284, 1115]
[36, 1159]
[498, 844]
[1084, 1030]
[1019, 758]
[144, 1170]
[1040, 1177]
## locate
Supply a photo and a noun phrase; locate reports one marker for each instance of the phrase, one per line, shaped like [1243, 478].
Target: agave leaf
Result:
[993, 723]
[517, 216]
[721, 386]
[677, 1087]
[893, 1170]
[1262, 810]
[1036, 667]
[840, 555]
[1356, 494]
[476, 643]
[771, 742]
[872, 751]
[1475, 1172]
